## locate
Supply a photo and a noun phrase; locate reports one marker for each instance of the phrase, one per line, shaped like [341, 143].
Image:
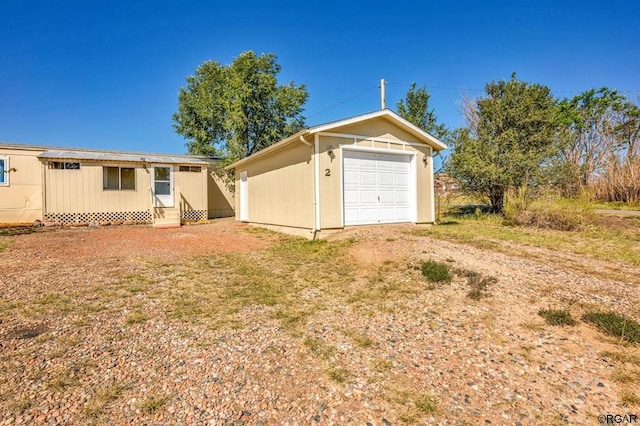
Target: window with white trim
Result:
[118, 178]
[195, 169]
[4, 171]
[62, 165]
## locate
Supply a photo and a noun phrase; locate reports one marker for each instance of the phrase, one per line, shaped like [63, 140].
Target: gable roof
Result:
[387, 114]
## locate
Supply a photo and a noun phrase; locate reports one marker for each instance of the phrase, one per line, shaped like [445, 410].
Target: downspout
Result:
[44, 188]
[317, 185]
[316, 193]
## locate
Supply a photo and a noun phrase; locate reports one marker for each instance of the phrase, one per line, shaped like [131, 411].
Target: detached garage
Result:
[370, 169]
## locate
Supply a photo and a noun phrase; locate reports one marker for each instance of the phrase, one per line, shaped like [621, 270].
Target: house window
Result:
[195, 169]
[4, 171]
[59, 165]
[118, 178]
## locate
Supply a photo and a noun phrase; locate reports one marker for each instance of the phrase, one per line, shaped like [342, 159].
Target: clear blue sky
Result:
[106, 74]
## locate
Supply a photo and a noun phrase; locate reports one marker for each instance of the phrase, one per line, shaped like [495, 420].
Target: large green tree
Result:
[599, 125]
[415, 109]
[238, 109]
[508, 138]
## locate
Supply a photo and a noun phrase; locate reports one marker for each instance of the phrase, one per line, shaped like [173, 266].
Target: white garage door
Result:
[377, 188]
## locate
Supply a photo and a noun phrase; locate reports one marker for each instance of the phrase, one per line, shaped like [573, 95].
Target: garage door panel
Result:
[369, 197]
[402, 197]
[369, 215]
[368, 178]
[368, 163]
[403, 214]
[351, 215]
[387, 214]
[386, 196]
[351, 196]
[386, 179]
[401, 179]
[376, 188]
[402, 165]
[351, 162]
[351, 177]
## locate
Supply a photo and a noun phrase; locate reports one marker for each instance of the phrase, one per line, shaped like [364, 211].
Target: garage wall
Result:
[331, 186]
[280, 187]
[21, 201]
[376, 128]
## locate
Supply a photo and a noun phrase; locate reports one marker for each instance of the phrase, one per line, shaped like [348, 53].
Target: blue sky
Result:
[106, 74]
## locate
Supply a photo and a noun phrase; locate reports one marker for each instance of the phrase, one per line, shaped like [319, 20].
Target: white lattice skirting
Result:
[193, 215]
[86, 218]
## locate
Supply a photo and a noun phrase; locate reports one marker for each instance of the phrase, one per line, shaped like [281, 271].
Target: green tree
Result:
[415, 109]
[238, 109]
[508, 138]
[598, 126]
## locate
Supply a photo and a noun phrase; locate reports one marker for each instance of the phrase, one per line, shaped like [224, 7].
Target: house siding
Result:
[193, 193]
[21, 201]
[81, 191]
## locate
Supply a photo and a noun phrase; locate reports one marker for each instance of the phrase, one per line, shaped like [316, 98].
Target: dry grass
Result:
[101, 397]
[152, 403]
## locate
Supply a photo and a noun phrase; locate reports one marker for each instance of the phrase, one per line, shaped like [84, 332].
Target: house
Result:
[81, 186]
[370, 169]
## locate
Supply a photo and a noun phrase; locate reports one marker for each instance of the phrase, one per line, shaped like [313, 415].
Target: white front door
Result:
[244, 213]
[162, 185]
[377, 188]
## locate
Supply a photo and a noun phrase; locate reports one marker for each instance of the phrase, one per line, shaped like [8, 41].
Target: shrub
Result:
[479, 285]
[557, 316]
[615, 325]
[548, 214]
[436, 272]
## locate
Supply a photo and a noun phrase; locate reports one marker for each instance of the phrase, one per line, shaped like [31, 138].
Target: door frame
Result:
[162, 200]
[243, 197]
[413, 180]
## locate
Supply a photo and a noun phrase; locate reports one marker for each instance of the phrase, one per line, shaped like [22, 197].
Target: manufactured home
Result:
[374, 168]
[83, 186]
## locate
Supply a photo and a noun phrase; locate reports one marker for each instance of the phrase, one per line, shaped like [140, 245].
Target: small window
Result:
[118, 178]
[4, 171]
[59, 165]
[195, 169]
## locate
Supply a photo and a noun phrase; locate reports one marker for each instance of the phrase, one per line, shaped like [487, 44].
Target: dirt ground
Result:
[97, 327]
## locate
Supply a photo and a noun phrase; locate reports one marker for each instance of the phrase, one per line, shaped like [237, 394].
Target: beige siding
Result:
[376, 128]
[221, 198]
[80, 191]
[425, 191]
[21, 201]
[282, 183]
[193, 189]
[331, 186]
[280, 187]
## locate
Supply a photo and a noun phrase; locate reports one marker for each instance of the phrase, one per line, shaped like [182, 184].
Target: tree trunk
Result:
[496, 199]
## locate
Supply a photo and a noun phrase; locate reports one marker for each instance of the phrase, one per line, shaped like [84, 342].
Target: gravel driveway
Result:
[96, 327]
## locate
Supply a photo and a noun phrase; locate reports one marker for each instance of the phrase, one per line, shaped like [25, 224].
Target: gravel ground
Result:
[416, 354]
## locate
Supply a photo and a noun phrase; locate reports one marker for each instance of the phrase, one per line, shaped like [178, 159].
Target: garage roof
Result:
[418, 133]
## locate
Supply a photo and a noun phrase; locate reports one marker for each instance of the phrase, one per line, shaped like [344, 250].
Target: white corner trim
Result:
[316, 163]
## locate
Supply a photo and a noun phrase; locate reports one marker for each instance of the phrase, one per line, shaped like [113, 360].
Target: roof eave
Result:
[270, 148]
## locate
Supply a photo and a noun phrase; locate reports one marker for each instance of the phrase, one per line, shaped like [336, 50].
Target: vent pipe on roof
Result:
[383, 103]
